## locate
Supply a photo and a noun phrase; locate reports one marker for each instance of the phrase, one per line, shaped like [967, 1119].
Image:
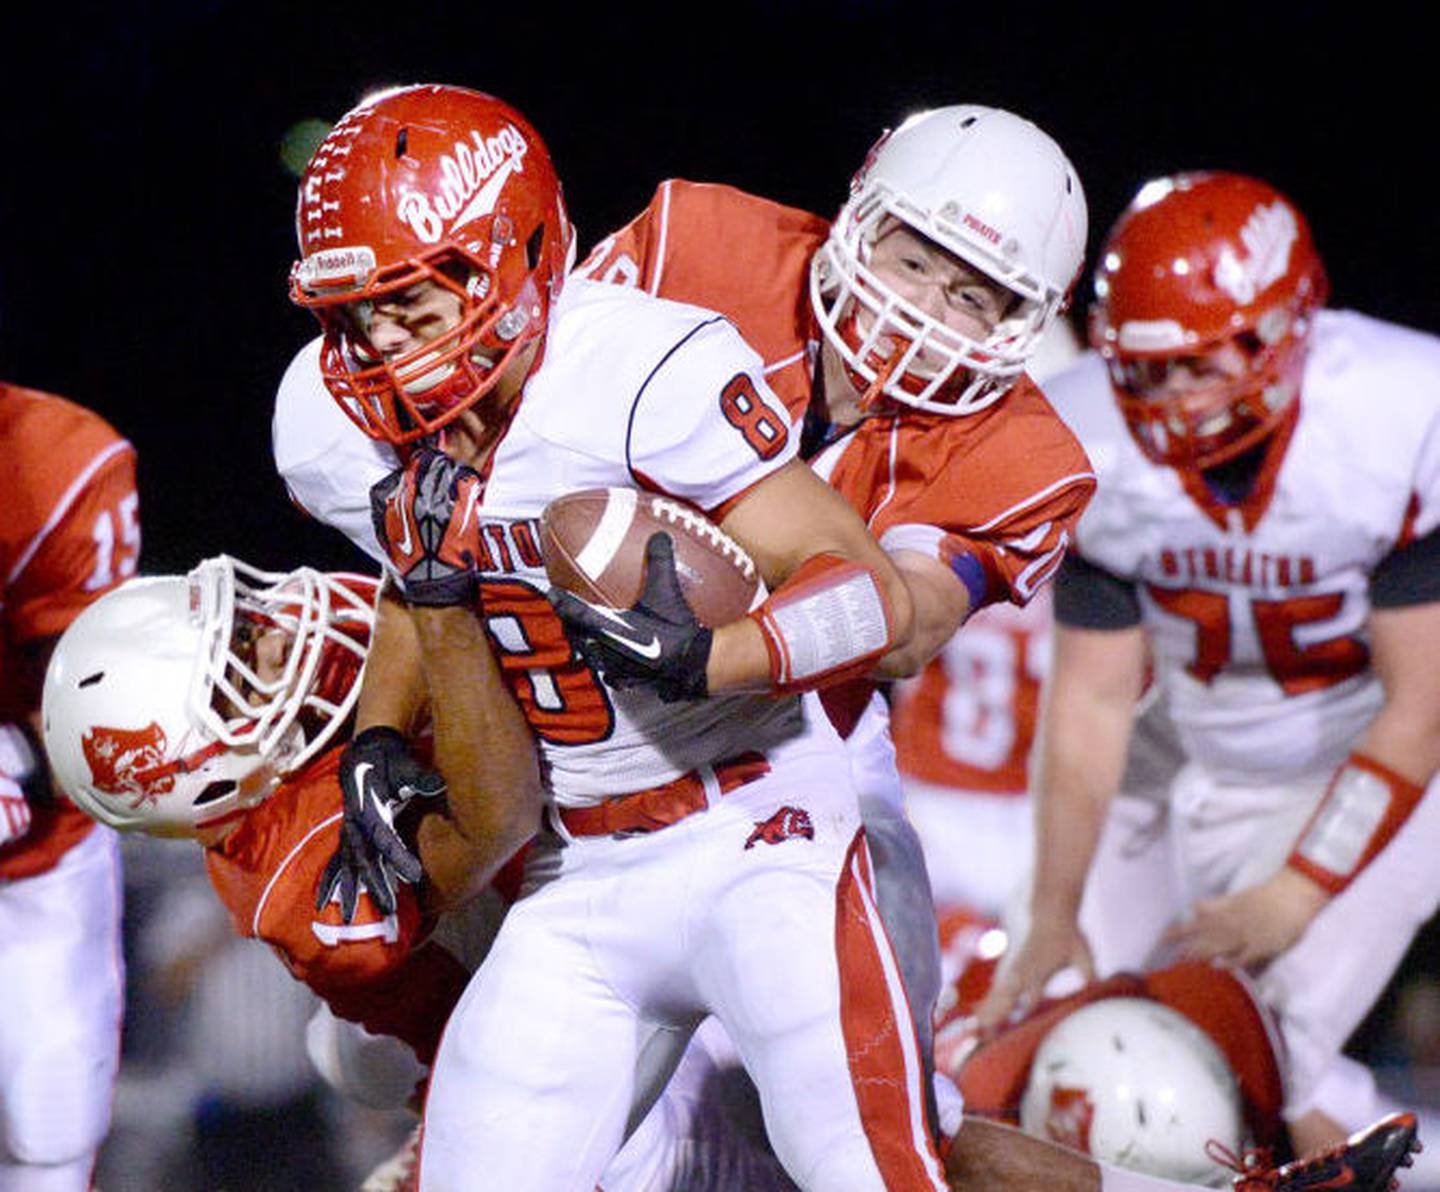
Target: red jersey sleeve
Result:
[1004, 487]
[69, 531]
[379, 970]
[728, 251]
[70, 522]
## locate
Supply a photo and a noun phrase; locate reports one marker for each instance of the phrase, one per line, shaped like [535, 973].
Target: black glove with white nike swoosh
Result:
[656, 642]
[378, 777]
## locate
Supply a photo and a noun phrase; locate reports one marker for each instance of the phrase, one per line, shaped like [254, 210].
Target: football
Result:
[593, 543]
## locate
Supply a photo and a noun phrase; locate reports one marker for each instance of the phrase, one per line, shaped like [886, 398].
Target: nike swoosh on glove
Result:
[656, 642]
[425, 516]
[378, 778]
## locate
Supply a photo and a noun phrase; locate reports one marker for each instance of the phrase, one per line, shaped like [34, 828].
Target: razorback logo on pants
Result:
[785, 823]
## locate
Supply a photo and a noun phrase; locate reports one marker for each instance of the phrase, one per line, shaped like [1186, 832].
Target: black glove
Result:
[657, 642]
[378, 777]
[412, 510]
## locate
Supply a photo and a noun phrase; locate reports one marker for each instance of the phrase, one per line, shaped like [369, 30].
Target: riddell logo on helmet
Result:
[471, 179]
[1268, 235]
[120, 760]
[1070, 1118]
[337, 267]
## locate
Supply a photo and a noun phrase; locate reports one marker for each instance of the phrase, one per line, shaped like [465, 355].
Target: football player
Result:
[212, 706]
[1270, 541]
[433, 239]
[897, 336]
[431, 257]
[69, 531]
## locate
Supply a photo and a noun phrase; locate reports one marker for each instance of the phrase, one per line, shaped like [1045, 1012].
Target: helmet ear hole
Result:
[91, 680]
[215, 791]
[402, 142]
[533, 246]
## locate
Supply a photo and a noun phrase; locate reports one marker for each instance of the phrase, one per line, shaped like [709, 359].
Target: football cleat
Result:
[1364, 1162]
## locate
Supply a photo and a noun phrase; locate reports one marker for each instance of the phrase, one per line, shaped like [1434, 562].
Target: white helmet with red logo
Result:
[1136, 1084]
[999, 194]
[439, 184]
[159, 713]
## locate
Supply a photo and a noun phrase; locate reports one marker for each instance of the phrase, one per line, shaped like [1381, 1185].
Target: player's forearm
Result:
[392, 692]
[455, 872]
[833, 623]
[483, 745]
[940, 603]
[788, 523]
[1083, 736]
[1070, 814]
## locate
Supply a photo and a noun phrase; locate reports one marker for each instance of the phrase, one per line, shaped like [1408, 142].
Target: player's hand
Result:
[656, 643]
[1252, 926]
[15, 816]
[425, 516]
[378, 777]
[1051, 946]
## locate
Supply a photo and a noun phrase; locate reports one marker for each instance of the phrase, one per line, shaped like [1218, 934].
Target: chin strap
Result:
[1366, 804]
[876, 389]
[827, 623]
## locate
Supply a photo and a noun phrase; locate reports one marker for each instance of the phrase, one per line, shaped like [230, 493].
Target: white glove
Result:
[14, 811]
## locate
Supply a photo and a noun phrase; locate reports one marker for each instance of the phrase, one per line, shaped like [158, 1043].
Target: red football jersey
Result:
[1005, 485]
[382, 971]
[69, 531]
[967, 722]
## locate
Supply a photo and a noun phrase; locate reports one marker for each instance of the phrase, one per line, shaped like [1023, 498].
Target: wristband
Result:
[1363, 808]
[827, 623]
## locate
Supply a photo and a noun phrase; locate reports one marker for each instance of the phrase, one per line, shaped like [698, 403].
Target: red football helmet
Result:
[1204, 300]
[438, 184]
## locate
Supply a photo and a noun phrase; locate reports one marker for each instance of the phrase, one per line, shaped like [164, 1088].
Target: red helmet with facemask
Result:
[1204, 299]
[428, 184]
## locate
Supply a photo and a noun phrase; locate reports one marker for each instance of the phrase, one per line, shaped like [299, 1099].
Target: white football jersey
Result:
[328, 464]
[631, 392]
[1257, 613]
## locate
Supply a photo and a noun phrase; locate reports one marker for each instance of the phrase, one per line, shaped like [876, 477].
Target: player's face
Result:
[1190, 381]
[942, 285]
[264, 648]
[401, 322]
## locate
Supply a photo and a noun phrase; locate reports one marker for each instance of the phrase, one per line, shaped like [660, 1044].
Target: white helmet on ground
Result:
[999, 194]
[1136, 1084]
[159, 715]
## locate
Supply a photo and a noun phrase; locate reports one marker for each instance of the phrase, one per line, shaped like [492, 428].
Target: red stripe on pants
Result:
[891, 1110]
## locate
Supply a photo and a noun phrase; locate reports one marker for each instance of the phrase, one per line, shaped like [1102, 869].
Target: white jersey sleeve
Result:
[327, 463]
[709, 449]
[653, 394]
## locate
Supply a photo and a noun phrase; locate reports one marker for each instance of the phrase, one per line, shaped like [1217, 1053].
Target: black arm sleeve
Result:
[1408, 575]
[1089, 597]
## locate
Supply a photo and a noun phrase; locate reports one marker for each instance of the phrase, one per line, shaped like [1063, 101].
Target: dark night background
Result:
[147, 219]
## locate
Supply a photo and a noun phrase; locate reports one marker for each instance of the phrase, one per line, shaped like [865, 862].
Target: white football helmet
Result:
[995, 191]
[174, 703]
[1136, 1084]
